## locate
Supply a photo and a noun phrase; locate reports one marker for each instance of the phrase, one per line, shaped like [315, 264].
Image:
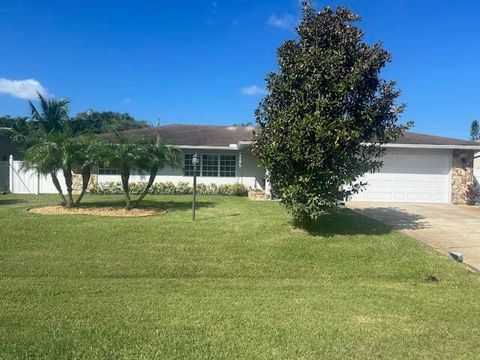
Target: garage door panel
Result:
[422, 165]
[411, 176]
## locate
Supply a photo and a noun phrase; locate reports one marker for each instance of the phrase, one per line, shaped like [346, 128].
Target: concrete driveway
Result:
[444, 227]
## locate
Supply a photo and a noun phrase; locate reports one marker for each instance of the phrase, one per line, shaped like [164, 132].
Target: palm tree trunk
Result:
[153, 174]
[56, 183]
[125, 174]
[86, 174]
[67, 173]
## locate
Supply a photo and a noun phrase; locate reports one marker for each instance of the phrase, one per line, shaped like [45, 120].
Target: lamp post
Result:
[195, 162]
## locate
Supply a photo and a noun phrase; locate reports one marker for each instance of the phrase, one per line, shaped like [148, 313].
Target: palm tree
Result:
[50, 145]
[125, 155]
[52, 115]
[69, 152]
[45, 156]
[156, 156]
[51, 120]
[89, 152]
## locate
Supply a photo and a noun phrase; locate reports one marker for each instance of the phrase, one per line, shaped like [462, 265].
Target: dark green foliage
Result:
[325, 102]
[52, 115]
[88, 122]
[97, 122]
[19, 124]
[474, 131]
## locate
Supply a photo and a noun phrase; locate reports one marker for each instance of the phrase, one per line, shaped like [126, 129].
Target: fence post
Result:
[37, 188]
[10, 173]
[268, 186]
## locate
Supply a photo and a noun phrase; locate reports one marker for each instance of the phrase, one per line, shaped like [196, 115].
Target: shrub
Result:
[113, 188]
[232, 189]
[202, 189]
[183, 188]
[137, 188]
[207, 189]
[169, 188]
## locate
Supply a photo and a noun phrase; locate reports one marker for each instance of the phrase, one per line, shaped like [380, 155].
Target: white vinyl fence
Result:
[23, 181]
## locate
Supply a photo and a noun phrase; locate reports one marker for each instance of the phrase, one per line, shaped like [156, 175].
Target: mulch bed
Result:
[97, 211]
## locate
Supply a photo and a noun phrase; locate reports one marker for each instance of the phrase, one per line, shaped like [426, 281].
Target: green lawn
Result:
[239, 283]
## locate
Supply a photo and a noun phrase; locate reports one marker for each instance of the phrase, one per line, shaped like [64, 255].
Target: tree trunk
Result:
[56, 183]
[125, 174]
[86, 174]
[67, 173]
[153, 174]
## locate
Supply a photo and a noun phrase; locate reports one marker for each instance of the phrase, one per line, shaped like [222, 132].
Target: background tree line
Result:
[87, 122]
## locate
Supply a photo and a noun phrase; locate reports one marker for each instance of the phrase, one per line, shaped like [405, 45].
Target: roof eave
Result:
[243, 144]
[208, 147]
[432, 146]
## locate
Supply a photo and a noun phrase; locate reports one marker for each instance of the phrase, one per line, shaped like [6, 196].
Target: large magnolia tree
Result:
[327, 113]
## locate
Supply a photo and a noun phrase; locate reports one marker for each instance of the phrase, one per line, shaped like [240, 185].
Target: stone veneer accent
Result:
[258, 194]
[77, 181]
[462, 175]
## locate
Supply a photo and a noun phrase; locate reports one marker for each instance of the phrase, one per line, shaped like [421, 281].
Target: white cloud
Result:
[253, 90]
[23, 89]
[286, 21]
[127, 100]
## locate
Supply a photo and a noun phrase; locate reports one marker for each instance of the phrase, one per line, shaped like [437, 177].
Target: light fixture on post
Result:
[195, 163]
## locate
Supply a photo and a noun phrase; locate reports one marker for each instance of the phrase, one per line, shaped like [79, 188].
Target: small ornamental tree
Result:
[124, 154]
[474, 131]
[156, 156]
[327, 113]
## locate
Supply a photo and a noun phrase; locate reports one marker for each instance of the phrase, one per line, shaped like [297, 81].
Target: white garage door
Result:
[410, 175]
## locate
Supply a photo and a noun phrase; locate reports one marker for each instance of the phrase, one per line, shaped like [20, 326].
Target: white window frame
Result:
[200, 165]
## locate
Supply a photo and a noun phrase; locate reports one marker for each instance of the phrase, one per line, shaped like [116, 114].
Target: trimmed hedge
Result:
[169, 188]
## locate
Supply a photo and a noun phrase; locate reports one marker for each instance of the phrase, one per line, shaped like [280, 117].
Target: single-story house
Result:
[417, 168]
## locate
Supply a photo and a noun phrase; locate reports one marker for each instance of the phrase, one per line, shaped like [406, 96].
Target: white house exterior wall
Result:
[249, 174]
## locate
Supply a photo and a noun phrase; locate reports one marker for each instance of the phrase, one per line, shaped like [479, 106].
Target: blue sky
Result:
[204, 61]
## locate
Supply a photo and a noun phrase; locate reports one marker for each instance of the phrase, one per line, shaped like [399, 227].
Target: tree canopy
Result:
[87, 122]
[474, 131]
[97, 122]
[325, 103]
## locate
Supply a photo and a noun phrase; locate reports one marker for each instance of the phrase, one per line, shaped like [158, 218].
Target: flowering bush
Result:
[169, 188]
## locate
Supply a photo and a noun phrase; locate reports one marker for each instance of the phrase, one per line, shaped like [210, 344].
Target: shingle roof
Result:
[213, 135]
[415, 138]
[195, 135]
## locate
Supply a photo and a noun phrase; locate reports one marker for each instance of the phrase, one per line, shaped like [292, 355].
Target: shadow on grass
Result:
[217, 217]
[372, 221]
[10, 201]
[170, 206]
